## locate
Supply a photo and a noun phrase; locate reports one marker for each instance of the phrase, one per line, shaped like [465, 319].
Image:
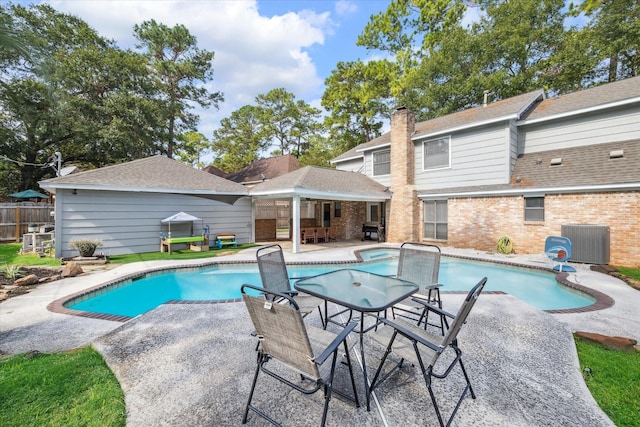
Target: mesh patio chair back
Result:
[273, 269]
[420, 263]
[311, 352]
[275, 278]
[423, 349]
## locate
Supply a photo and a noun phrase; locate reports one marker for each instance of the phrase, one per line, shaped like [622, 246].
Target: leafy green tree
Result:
[194, 145]
[307, 124]
[320, 152]
[74, 93]
[409, 31]
[521, 35]
[278, 114]
[357, 97]
[240, 139]
[614, 31]
[181, 70]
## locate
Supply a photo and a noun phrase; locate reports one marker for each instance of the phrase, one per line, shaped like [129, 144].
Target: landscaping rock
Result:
[71, 270]
[614, 343]
[31, 279]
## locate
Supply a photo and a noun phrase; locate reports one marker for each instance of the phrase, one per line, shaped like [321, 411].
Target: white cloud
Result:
[345, 7]
[253, 53]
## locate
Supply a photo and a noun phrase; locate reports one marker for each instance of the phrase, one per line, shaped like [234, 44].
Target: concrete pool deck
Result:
[192, 364]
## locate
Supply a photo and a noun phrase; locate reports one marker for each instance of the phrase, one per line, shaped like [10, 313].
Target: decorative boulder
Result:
[71, 270]
[31, 279]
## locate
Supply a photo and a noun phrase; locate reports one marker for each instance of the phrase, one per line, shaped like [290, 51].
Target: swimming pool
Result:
[223, 281]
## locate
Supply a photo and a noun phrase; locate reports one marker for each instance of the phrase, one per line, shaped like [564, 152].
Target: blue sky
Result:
[258, 45]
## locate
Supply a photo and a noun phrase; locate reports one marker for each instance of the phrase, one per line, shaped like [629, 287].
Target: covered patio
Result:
[313, 183]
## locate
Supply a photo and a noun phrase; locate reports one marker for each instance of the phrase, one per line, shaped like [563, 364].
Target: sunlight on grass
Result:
[613, 378]
[10, 254]
[60, 389]
[176, 255]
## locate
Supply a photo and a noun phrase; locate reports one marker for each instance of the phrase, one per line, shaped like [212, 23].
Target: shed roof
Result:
[323, 183]
[155, 174]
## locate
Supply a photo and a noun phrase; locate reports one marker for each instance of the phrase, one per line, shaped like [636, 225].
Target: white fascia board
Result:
[464, 127]
[633, 186]
[67, 186]
[324, 195]
[347, 159]
[374, 147]
[578, 112]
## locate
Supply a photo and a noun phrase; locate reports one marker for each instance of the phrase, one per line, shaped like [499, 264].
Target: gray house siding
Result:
[368, 167]
[354, 165]
[477, 158]
[130, 222]
[513, 148]
[585, 129]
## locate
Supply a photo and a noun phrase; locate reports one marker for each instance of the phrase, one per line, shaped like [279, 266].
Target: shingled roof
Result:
[323, 183]
[507, 109]
[264, 169]
[603, 96]
[152, 174]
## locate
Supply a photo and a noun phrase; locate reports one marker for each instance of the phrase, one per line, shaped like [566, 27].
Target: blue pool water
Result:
[222, 282]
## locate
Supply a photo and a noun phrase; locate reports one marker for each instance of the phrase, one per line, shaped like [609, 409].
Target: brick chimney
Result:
[403, 223]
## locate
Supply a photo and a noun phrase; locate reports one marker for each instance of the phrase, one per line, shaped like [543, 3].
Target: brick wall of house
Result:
[478, 223]
[348, 226]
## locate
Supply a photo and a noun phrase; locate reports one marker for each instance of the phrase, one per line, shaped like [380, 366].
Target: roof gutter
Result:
[578, 112]
[315, 194]
[51, 187]
[633, 186]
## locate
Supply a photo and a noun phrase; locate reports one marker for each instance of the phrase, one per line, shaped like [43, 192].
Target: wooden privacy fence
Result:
[16, 217]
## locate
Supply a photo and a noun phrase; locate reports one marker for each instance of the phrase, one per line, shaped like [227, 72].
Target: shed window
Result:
[534, 208]
[436, 153]
[435, 219]
[382, 162]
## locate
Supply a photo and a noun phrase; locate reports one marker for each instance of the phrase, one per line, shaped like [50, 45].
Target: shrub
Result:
[86, 247]
[505, 245]
[12, 271]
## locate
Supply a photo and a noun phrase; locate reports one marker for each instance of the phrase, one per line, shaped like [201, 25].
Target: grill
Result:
[369, 228]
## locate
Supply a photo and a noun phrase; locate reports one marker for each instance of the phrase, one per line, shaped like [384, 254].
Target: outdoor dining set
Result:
[402, 313]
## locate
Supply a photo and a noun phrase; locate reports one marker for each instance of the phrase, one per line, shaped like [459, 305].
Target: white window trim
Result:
[373, 153]
[424, 143]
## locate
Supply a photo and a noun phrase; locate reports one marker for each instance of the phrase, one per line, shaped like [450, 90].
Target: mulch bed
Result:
[44, 274]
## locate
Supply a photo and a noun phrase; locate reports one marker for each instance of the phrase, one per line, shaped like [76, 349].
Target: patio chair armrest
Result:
[336, 342]
[433, 308]
[414, 335]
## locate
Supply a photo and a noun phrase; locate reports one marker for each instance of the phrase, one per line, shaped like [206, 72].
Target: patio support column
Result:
[295, 235]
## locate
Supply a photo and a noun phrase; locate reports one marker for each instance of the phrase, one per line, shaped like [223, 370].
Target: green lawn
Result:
[73, 388]
[9, 255]
[176, 255]
[613, 378]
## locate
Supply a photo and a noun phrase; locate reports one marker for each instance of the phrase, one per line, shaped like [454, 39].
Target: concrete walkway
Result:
[192, 364]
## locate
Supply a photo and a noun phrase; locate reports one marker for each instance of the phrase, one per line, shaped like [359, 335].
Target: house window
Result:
[435, 219]
[534, 208]
[372, 212]
[382, 162]
[337, 209]
[436, 153]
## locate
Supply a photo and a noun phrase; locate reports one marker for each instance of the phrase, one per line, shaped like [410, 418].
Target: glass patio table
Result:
[359, 291]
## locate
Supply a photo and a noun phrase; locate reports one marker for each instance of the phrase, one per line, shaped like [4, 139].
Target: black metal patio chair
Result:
[423, 349]
[306, 350]
[420, 263]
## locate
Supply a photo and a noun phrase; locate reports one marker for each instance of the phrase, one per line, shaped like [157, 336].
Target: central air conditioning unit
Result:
[589, 242]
